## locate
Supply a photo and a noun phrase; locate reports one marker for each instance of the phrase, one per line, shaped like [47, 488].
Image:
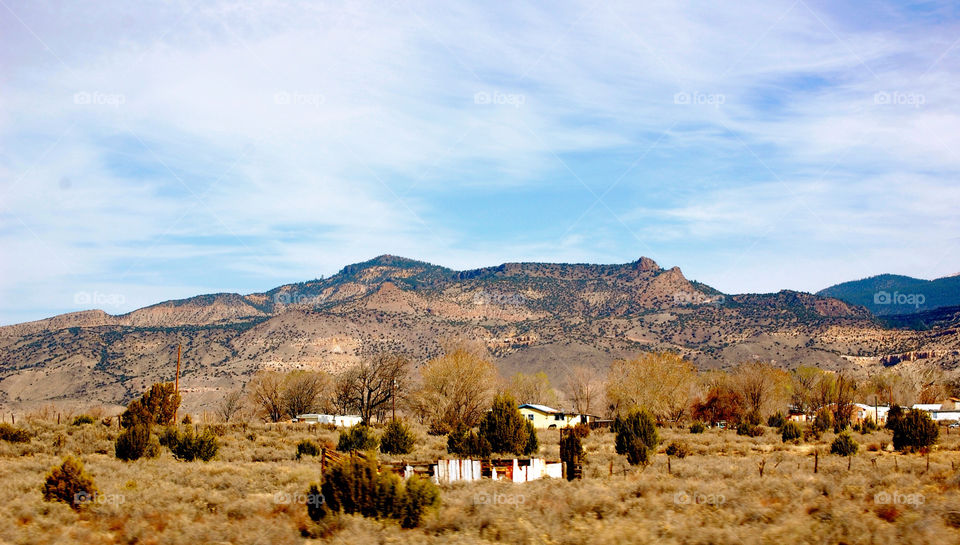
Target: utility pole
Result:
[393, 398]
[176, 384]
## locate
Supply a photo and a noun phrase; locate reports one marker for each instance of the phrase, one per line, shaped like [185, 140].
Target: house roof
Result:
[928, 406]
[540, 408]
[880, 408]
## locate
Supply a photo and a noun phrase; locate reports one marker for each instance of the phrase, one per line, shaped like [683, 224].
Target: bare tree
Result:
[803, 382]
[533, 389]
[457, 388]
[230, 405]
[825, 389]
[844, 408]
[266, 394]
[662, 382]
[302, 391]
[375, 381]
[342, 397]
[763, 387]
[583, 387]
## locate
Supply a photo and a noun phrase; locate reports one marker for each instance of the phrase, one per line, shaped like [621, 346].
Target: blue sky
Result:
[161, 150]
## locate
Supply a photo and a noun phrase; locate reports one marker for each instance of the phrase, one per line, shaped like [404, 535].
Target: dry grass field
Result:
[248, 494]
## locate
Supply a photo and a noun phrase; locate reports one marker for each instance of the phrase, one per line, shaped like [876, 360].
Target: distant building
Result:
[863, 412]
[796, 415]
[548, 417]
[340, 421]
[940, 411]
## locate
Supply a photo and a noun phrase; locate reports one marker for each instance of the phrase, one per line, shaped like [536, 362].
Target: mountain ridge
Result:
[531, 316]
[895, 294]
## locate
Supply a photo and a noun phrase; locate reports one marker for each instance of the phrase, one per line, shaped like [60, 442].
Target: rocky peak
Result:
[645, 264]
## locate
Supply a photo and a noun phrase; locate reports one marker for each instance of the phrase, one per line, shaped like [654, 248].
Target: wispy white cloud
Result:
[203, 146]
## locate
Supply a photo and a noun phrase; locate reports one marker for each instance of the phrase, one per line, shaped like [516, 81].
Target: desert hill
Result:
[891, 294]
[531, 316]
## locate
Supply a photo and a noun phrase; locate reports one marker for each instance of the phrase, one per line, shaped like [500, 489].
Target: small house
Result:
[796, 415]
[862, 412]
[544, 417]
[940, 411]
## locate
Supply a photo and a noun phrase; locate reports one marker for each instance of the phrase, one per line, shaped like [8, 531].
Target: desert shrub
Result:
[868, 425]
[505, 428]
[790, 431]
[189, 447]
[823, 421]
[637, 436]
[894, 414]
[132, 443]
[168, 437]
[13, 435]
[581, 430]
[698, 427]
[355, 486]
[679, 449]
[873, 447]
[842, 418]
[59, 441]
[571, 452]
[438, 428]
[186, 420]
[532, 445]
[752, 418]
[158, 405]
[307, 448]
[913, 430]
[844, 445]
[82, 419]
[398, 438]
[466, 442]
[776, 420]
[422, 495]
[750, 430]
[359, 437]
[69, 483]
[153, 448]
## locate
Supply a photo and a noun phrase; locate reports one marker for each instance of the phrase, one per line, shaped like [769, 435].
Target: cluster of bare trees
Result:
[663, 383]
[278, 396]
[457, 387]
[670, 387]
